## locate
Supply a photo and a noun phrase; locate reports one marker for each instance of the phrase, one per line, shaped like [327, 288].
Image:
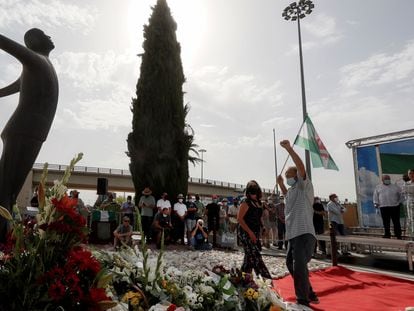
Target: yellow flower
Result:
[134, 301]
[250, 292]
[255, 295]
[129, 296]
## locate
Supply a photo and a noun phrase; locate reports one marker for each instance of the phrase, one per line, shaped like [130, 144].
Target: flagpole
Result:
[287, 158]
[274, 150]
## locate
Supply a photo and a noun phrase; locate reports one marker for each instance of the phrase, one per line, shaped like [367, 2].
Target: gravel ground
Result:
[184, 259]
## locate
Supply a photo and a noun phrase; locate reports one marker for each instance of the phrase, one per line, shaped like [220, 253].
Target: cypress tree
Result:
[160, 141]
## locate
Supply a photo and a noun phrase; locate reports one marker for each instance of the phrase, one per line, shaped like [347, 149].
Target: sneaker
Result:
[314, 298]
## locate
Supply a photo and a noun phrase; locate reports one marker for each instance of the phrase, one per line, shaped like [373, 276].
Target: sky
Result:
[241, 62]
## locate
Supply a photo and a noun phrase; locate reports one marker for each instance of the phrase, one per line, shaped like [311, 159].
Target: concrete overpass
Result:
[119, 180]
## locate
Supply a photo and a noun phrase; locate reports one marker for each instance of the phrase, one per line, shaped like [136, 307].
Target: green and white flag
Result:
[309, 139]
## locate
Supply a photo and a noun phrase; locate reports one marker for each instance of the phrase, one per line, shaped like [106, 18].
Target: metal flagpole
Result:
[287, 158]
[274, 150]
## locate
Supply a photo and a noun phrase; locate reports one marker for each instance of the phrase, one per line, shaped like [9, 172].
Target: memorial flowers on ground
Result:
[143, 281]
[45, 266]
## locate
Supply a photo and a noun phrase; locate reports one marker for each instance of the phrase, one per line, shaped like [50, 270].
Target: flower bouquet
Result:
[45, 266]
[143, 281]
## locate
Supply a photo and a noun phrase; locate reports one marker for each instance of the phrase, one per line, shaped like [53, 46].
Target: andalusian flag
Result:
[309, 139]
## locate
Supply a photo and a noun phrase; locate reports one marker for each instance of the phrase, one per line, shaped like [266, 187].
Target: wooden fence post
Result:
[334, 246]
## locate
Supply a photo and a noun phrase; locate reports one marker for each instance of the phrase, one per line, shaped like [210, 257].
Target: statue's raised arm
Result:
[30, 123]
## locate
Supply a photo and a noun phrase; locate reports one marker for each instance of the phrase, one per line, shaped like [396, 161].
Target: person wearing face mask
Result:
[281, 223]
[318, 222]
[272, 220]
[164, 202]
[213, 216]
[223, 215]
[190, 218]
[178, 219]
[147, 208]
[335, 211]
[387, 197]
[300, 232]
[251, 224]
[336, 219]
[127, 209]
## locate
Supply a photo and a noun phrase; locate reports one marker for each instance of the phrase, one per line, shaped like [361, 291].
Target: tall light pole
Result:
[297, 11]
[202, 162]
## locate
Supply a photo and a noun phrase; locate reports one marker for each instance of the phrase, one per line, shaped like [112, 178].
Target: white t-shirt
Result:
[299, 208]
[163, 203]
[180, 208]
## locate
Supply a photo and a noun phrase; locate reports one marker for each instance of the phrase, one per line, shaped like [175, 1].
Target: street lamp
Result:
[202, 162]
[297, 11]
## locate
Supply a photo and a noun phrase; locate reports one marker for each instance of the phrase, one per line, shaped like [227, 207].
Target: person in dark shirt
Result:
[34, 202]
[162, 222]
[213, 216]
[318, 215]
[190, 218]
[250, 220]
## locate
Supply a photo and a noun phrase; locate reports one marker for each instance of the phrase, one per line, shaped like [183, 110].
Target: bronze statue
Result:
[30, 123]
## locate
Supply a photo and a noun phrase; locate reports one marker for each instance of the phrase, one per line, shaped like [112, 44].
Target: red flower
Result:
[171, 307]
[56, 291]
[97, 294]
[72, 280]
[83, 260]
[55, 274]
[76, 294]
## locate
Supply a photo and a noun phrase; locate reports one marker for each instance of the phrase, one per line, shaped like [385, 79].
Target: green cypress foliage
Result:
[160, 140]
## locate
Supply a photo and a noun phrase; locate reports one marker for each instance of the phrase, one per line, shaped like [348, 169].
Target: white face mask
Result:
[291, 181]
[336, 200]
[164, 215]
[180, 200]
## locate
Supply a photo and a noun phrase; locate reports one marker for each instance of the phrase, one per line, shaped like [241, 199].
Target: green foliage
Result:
[160, 141]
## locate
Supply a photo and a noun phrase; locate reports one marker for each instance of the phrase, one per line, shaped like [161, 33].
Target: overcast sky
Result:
[241, 63]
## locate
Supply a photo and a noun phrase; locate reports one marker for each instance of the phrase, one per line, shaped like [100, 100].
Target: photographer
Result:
[199, 237]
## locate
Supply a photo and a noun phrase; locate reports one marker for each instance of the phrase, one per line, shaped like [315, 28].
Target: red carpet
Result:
[341, 289]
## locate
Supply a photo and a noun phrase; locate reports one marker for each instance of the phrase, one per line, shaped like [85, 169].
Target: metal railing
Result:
[122, 172]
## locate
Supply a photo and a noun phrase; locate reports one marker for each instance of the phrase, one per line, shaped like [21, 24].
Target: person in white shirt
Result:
[178, 219]
[299, 225]
[387, 197]
[164, 202]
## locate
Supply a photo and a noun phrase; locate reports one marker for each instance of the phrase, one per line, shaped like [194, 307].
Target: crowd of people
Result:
[289, 221]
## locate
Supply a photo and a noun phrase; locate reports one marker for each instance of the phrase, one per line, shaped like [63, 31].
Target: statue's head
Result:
[36, 40]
